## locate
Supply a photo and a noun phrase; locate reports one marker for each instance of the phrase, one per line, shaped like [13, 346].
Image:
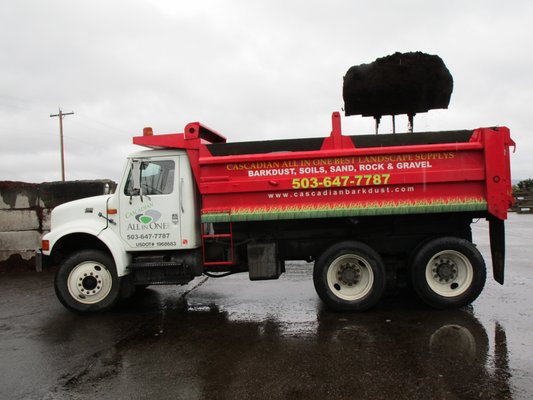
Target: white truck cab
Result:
[149, 227]
[161, 211]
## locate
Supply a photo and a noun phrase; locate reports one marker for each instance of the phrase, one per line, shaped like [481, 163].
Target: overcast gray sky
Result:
[251, 70]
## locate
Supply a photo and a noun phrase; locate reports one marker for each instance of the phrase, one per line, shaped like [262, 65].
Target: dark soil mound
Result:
[402, 83]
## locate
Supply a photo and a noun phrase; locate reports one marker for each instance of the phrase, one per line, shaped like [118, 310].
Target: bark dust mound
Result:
[402, 83]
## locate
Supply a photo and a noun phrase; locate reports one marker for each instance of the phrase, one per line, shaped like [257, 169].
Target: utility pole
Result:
[61, 115]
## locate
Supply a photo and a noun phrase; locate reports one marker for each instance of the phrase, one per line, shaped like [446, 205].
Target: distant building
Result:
[524, 201]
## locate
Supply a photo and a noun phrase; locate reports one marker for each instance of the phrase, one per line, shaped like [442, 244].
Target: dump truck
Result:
[368, 212]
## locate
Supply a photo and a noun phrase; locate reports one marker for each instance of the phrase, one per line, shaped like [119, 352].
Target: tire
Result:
[349, 276]
[87, 282]
[448, 272]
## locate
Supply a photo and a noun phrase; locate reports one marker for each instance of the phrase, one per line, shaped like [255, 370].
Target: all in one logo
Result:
[148, 217]
[148, 220]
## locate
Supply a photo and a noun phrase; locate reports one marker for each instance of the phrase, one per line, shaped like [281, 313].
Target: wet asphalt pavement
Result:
[235, 339]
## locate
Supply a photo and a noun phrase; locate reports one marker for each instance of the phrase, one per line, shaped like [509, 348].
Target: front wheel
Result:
[87, 281]
[448, 272]
[349, 276]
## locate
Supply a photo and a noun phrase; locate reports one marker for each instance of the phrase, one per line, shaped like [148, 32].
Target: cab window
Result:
[157, 177]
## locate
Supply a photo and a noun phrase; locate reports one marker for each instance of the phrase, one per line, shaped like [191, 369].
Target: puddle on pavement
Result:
[201, 349]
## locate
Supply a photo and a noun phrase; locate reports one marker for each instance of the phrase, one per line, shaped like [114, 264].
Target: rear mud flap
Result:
[497, 248]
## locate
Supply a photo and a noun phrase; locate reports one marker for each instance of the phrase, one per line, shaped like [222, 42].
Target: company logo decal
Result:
[148, 217]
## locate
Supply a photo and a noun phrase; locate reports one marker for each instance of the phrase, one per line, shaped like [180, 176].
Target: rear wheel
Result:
[349, 276]
[87, 281]
[448, 272]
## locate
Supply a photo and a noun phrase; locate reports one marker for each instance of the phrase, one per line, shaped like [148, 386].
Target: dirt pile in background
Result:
[402, 83]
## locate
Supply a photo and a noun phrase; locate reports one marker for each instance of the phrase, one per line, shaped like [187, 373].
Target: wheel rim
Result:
[350, 277]
[449, 273]
[89, 282]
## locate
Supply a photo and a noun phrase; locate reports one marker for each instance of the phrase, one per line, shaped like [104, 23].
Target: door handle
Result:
[181, 196]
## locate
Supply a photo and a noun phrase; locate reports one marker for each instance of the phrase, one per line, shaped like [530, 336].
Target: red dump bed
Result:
[341, 175]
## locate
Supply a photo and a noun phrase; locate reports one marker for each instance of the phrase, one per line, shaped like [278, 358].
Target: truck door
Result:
[149, 205]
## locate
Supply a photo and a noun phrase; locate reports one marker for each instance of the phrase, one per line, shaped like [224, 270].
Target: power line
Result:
[61, 115]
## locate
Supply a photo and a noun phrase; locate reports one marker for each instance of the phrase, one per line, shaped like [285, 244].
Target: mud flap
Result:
[497, 248]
